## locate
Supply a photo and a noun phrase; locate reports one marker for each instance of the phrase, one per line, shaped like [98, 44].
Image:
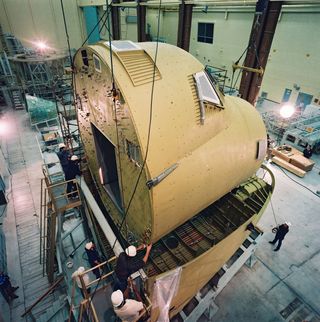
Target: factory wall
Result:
[293, 65]
[32, 20]
[294, 62]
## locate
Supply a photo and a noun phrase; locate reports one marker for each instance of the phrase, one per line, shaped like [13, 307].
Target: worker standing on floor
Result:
[6, 288]
[72, 170]
[93, 258]
[282, 230]
[126, 310]
[64, 156]
[127, 264]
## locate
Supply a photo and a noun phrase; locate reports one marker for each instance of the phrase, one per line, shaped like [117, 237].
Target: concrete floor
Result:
[21, 224]
[278, 279]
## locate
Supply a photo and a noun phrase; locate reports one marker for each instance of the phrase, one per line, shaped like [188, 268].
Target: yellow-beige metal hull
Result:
[196, 273]
[210, 159]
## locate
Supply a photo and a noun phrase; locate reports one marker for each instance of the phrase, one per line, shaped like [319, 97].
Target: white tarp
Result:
[165, 288]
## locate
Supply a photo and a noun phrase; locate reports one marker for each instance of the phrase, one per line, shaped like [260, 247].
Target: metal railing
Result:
[87, 305]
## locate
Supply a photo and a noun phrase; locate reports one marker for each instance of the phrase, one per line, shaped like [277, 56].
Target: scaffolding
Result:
[40, 74]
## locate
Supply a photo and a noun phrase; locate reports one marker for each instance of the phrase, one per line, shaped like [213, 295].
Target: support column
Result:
[141, 23]
[184, 27]
[115, 17]
[262, 32]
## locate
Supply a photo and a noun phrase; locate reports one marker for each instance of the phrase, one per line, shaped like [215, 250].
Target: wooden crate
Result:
[288, 166]
[301, 162]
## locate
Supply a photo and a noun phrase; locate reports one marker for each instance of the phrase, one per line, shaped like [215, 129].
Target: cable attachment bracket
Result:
[153, 182]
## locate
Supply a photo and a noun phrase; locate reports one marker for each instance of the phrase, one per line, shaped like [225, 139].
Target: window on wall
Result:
[205, 32]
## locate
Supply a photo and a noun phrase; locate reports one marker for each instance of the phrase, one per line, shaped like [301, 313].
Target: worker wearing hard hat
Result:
[72, 170]
[126, 310]
[63, 156]
[85, 278]
[127, 264]
[93, 258]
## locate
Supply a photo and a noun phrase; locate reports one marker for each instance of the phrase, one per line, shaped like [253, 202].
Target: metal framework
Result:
[208, 227]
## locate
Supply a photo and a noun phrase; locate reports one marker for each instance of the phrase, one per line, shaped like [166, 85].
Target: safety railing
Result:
[87, 305]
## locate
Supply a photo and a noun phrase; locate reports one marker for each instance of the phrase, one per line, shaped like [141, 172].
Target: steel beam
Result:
[262, 32]
[184, 26]
[115, 17]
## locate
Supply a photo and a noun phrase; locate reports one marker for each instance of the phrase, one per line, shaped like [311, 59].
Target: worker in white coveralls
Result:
[127, 310]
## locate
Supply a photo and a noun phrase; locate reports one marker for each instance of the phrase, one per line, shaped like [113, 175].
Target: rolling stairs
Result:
[17, 100]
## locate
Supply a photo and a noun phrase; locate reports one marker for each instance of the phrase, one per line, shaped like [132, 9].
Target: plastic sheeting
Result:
[165, 288]
[40, 110]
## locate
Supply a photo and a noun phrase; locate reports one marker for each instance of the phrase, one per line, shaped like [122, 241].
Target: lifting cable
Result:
[73, 82]
[150, 123]
[114, 99]
[295, 181]
[114, 94]
[232, 85]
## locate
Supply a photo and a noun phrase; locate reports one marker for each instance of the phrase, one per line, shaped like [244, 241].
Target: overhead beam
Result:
[184, 26]
[262, 32]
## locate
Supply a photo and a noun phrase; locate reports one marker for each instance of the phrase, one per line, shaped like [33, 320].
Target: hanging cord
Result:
[114, 96]
[233, 71]
[106, 26]
[256, 54]
[114, 92]
[67, 34]
[300, 184]
[150, 123]
[236, 81]
[274, 214]
[96, 25]
[73, 81]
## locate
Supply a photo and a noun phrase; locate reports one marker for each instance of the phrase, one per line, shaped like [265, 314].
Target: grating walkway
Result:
[25, 165]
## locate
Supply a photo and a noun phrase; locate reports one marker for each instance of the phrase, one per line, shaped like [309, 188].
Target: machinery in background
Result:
[304, 131]
[35, 72]
[298, 131]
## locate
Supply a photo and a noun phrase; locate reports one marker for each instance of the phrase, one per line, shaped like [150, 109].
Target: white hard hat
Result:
[62, 145]
[131, 251]
[81, 269]
[89, 245]
[74, 158]
[116, 298]
[288, 223]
